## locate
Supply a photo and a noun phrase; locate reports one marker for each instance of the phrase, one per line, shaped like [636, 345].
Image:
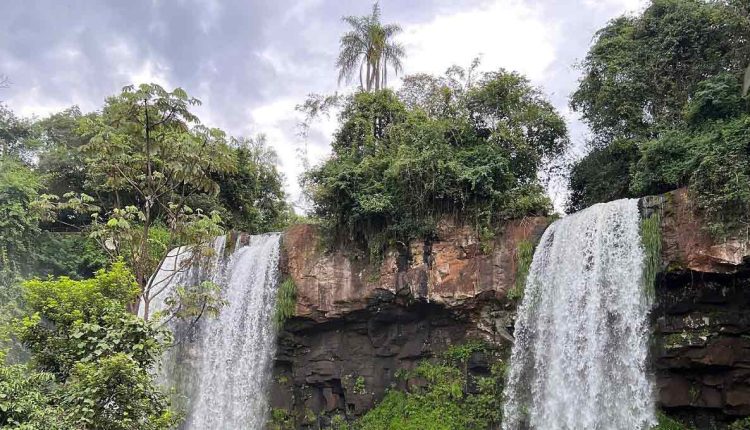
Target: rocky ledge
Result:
[357, 324]
[701, 318]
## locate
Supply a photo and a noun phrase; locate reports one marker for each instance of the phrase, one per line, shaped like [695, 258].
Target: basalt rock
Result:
[357, 325]
[701, 354]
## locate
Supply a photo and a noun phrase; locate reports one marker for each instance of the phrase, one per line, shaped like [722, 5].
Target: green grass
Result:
[286, 302]
[524, 257]
[651, 239]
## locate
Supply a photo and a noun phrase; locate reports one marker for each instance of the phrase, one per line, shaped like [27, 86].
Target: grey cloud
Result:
[236, 55]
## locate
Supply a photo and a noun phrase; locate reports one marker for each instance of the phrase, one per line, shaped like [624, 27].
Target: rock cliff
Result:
[357, 324]
[701, 318]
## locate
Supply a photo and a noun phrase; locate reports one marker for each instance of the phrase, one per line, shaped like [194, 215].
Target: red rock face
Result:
[688, 246]
[453, 270]
[701, 319]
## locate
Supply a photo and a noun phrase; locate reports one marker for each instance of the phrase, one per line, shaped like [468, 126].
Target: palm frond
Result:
[391, 30]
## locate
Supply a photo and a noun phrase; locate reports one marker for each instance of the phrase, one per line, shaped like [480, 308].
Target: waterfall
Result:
[221, 368]
[581, 339]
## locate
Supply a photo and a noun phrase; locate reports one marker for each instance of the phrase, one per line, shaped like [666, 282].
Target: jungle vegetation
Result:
[90, 202]
[662, 95]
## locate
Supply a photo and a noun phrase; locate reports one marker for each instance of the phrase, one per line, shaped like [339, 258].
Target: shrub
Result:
[286, 301]
[396, 170]
[444, 403]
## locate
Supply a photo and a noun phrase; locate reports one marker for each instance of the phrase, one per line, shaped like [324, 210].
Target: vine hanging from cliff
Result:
[651, 239]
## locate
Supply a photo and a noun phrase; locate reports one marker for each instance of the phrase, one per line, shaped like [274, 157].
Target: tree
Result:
[59, 153]
[91, 359]
[15, 134]
[147, 144]
[640, 80]
[603, 175]
[396, 170]
[19, 221]
[369, 45]
[641, 70]
[252, 195]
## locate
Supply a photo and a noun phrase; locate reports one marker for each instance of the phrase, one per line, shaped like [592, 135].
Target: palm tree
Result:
[369, 48]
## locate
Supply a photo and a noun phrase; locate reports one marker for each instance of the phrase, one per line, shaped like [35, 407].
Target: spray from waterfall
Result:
[579, 358]
[220, 369]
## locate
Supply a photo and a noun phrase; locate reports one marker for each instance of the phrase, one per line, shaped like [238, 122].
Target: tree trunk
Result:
[361, 83]
[369, 80]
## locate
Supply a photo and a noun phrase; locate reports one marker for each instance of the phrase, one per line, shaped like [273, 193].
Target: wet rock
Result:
[357, 326]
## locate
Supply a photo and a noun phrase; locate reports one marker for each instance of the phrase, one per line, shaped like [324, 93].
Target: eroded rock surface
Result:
[701, 318]
[686, 243]
[453, 271]
[357, 325]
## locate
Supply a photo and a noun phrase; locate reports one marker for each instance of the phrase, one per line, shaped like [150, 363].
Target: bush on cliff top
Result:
[399, 163]
[662, 93]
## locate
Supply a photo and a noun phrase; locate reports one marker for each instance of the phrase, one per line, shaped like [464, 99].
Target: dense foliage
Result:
[642, 70]
[662, 94]
[449, 399]
[90, 358]
[131, 181]
[400, 163]
[115, 188]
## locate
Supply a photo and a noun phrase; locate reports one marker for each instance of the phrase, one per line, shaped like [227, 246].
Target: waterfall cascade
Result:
[579, 358]
[222, 368]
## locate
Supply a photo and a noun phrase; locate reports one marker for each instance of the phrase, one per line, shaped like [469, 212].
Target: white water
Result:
[223, 368]
[581, 340]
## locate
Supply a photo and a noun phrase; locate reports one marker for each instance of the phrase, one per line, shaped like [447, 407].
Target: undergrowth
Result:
[524, 257]
[667, 423]
[286, 302]
[651, 239]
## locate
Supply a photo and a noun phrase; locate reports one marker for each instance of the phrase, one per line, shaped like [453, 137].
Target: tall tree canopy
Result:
[641, 70]
[368, 49]
[641, 80]
[397, 168]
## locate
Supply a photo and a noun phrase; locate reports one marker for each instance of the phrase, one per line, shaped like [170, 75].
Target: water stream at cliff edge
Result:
[579, 358]
[221, 371]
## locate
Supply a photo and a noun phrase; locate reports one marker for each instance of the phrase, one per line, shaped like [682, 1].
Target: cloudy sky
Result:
[252, 61]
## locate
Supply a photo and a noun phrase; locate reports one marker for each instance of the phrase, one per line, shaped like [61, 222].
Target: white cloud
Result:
[623, 6]
[132, 69]
[507, 33]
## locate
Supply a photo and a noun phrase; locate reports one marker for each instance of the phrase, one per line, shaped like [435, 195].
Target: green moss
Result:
[741, 424]
[281, 419]
[359, 385]
[667, 423]
[486, 240]
[651, 239]
[524, 257]
[445, 401]
[338, 422]
[286, 302]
